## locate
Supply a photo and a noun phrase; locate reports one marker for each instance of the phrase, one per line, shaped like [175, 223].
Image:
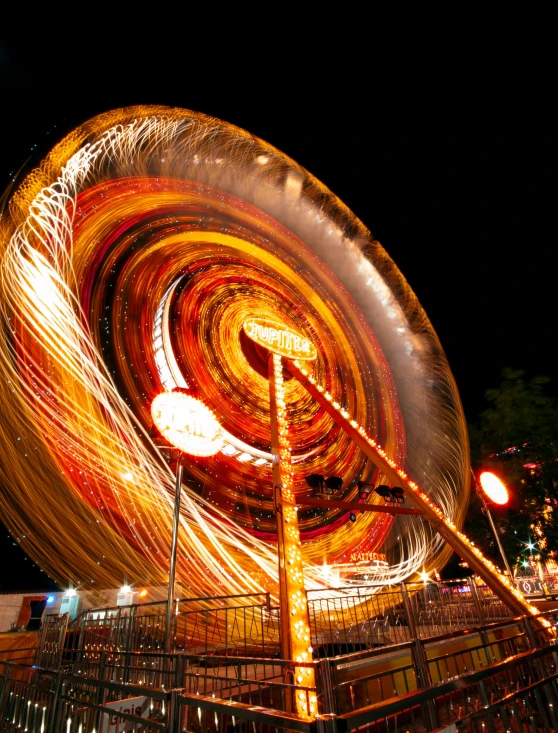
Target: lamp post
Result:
[171, 600]
[494, 488]
[187, 424]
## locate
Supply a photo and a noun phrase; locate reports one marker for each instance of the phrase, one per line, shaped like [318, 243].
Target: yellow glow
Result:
[297, 605]
[280, 340]
[81, 430]
[187, 423]
[494, 487]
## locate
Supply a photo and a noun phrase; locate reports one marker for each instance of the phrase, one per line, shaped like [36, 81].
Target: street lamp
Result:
[495, 489]
[187, 424]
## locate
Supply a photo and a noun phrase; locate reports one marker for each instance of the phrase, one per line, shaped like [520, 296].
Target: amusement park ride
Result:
[196, 431]
[160, 249]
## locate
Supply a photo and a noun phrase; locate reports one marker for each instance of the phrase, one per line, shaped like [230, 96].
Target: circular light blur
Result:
[187, 423]
[494, 488]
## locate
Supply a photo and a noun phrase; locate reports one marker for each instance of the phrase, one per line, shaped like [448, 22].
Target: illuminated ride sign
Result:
[494, 487]
[280, 340]
[368, 557]
[187, 423]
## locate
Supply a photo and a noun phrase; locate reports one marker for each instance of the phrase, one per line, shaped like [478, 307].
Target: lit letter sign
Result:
[368, 557]
[187, 423]
[280, 340]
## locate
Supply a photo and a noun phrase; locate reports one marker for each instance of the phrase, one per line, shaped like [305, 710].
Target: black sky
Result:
[449, 164]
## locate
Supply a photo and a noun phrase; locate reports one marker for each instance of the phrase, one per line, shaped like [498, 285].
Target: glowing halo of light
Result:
[274, 336]
[131, 258]
[494, 487]
[187, 423]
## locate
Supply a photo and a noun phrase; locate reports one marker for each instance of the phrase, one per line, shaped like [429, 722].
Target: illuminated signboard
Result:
[368, 557]
[187, 423]
[275, 337]
[494, 487]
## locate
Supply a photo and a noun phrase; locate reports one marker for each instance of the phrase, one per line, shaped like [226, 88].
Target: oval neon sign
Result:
[493, 487]
[187, 424]
[280, 340]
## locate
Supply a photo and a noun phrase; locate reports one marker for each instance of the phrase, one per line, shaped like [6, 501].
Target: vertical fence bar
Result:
[476, 601]
[529, 632]
[7, 675]
[409, 612]
[53, 713]
[61, 642]
[326, 686]
[423, 680]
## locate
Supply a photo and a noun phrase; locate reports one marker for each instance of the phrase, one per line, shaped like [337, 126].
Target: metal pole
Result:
[480, 492]
[172, 571]
[489, 515]
[284, 638]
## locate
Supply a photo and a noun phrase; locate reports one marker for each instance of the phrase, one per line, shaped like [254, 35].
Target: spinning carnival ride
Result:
[132, 258]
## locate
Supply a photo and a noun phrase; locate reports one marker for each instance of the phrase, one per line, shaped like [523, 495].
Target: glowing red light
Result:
[494, 487]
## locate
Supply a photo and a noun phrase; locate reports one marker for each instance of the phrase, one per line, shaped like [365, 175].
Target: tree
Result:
[517, 438]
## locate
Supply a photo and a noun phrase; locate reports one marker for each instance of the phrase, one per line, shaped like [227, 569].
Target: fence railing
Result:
[240, 624]
[97, 670]
[349, 619]
[41, 701]
[516, 693]
[245, 624]
[341, 621]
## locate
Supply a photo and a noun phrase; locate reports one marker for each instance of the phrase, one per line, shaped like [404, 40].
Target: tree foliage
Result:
[516, 437]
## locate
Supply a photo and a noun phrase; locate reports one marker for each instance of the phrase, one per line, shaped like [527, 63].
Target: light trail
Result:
[153, 207]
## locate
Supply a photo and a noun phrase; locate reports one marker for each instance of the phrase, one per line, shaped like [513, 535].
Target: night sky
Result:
[449, 167]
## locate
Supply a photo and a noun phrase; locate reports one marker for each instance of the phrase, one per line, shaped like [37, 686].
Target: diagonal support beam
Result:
[499, 584]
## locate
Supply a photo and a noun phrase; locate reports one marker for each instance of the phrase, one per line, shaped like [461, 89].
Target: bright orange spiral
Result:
[131, 259]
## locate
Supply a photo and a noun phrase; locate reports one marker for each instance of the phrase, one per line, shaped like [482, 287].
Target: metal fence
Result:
[515, 693]
[341, 621]
[41, 701]
[370, 677]
[239, 624]
[245, 624]
[441, 659]
[349, 619]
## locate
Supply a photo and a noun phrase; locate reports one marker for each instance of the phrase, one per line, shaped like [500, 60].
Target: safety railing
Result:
[511, 695]
[369, 677]
[240, 624]
[343, 620]
[243, 624]
[229, 655]
[204, 714]
[262, 682]
[515, 693]
[42, 701]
